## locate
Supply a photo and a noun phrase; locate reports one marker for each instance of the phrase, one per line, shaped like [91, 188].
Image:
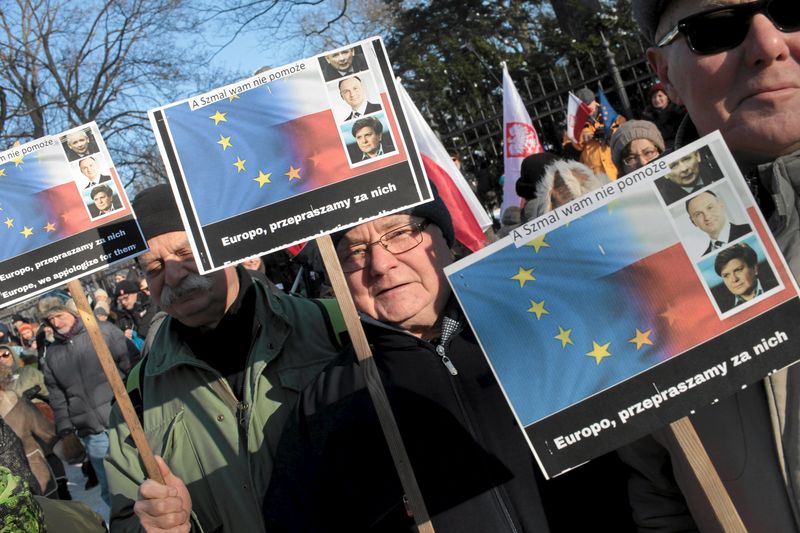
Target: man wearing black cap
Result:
[333, 470]
[135, 310]
[735, 66]
[215, 388]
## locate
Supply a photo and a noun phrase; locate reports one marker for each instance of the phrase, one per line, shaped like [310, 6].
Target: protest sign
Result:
[290, 154]
[631, 306]
[64, 212]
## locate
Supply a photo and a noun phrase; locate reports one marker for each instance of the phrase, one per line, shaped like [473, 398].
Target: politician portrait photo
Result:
[102, 200]
[342, 63]
[354, 97]
[739, 274]
[368, 138]
[688, 174]
[92, 171]
[79, 144]
[710, 220]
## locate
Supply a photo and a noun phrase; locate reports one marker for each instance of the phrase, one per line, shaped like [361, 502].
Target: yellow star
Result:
[218, 117]
[563, 336]
[18, 161]
[524, 275]
[233, 97]
[26, 231]
[641, 338]
[670, 314]
[225, 142]
[262, 179]
[239, 164]
[9, 222]
[316, 158]
[294, 173]
[599, 352]
[538, 309]
[2, 172]
[50, 227]
[538, 243]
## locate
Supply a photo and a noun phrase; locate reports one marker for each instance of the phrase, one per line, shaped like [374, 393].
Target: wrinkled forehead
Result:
[77, 136]
[166, 244]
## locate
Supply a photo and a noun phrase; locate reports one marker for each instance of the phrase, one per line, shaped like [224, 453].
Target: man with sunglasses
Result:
[735, 66]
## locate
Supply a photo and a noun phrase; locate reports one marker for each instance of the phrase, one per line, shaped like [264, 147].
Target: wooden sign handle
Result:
[117, 386]
[707, 476]
[375, 385]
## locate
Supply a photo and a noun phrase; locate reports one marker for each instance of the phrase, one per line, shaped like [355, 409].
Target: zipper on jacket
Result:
[441, 352]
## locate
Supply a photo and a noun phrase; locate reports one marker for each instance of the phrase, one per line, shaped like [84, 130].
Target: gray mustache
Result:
[191, 283]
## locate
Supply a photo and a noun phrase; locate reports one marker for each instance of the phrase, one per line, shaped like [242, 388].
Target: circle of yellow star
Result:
[225, 142]
[2, 172]
[294, 173]
[563, 336]
[218, 117]
[233, 97]
[641, 338]
[538, 309]
[599, 352]
[262, 178]
[26, 231]
[9, 222]
[50, 227]
[523, 276]
[239, 164]
[538, 243]
[18, 161]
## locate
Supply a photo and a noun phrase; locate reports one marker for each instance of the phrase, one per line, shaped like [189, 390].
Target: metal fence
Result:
[475, 128]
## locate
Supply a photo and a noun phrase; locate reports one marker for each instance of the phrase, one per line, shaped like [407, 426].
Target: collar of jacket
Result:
[272, 329]
[452, 310]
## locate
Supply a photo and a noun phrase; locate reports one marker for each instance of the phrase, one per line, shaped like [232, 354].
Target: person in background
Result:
[593, 146]
[634, 144]
[664, 113]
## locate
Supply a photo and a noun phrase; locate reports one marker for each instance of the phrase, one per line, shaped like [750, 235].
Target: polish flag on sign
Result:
[577, 113]
[469, 217]
[519, 139]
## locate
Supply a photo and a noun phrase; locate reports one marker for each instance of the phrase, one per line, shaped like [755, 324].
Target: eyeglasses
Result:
[724, 28]
[646, 155]
[397, 241]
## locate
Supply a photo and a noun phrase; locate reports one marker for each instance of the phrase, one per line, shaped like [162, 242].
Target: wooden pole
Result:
[117, 386]
[707, 476]
[375, 386]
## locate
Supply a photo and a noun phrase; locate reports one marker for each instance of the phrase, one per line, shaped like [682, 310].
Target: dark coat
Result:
[333, 470]
[371, 108]
[737, 230]
[138, 318]
[79, 391]
[668, 121]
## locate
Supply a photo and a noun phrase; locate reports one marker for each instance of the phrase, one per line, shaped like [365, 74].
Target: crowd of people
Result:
[258, 410]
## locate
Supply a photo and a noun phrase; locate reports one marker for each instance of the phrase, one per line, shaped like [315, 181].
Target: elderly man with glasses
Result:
[334, 472]
[736, 67]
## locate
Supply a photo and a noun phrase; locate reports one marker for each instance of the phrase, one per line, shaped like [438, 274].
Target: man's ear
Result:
[658, 62]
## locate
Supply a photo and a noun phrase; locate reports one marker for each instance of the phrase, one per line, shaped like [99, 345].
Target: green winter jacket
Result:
[221, 448]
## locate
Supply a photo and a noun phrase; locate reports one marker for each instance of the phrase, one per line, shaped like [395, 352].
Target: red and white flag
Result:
[577, 113]
[469, 217]
[519, 139]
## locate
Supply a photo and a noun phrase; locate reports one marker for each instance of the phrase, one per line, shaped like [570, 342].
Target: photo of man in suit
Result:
[91, 169]
[354, 94]
[371, 141]
[78, 144]
[105, 201]
[688, 175]
[738, 267]
[342, 63]
[707, 213]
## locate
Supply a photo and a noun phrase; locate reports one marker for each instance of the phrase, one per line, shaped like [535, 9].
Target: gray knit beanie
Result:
[648, 14]
[629, 132]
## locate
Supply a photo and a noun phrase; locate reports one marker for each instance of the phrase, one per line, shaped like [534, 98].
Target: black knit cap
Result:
[434, 211]
[157, 211]
[531, 173]
[125, 287]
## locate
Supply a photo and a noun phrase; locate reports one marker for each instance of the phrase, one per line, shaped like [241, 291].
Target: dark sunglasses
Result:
[725, 28]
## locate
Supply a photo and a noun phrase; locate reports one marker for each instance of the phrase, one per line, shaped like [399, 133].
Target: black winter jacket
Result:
[79, 391]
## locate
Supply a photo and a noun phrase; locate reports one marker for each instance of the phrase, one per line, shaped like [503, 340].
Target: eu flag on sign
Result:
[608, 112]
[585, 306]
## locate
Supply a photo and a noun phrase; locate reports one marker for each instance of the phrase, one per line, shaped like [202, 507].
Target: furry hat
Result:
[577, 178]
[48, 306]
[629, 132]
